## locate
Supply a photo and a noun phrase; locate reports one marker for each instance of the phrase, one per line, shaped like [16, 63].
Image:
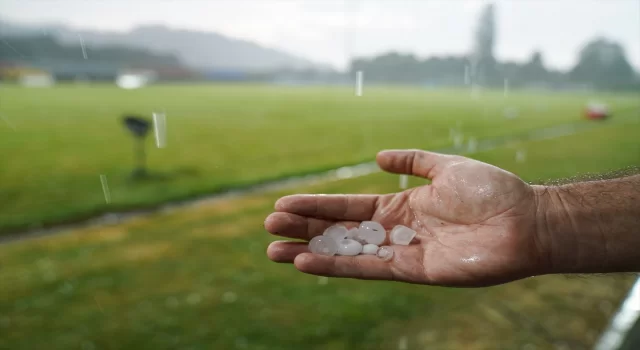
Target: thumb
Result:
[411, 162]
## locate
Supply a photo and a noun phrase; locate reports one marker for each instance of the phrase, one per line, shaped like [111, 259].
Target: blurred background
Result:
[142, 144]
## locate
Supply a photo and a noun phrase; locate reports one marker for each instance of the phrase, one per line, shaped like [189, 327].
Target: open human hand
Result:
[475, 224]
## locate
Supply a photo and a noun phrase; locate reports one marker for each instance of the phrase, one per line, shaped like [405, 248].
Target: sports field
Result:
[57, 142]
[198, 278]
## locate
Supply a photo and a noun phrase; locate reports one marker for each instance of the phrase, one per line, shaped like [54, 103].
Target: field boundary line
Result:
[345, 172]
[622, 322]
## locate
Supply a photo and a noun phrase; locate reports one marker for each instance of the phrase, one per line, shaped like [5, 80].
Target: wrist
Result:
[557, 231]
[589, 227]
[543, 232]
[569, 225]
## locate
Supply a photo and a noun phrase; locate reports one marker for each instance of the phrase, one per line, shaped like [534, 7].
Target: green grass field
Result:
[198, 278]
[221, 136]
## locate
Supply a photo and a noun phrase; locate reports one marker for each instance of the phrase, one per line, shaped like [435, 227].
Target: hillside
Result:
[201, 50]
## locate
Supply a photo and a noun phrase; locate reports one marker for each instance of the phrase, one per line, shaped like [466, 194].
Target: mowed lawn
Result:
[198, 278]
[55, 143]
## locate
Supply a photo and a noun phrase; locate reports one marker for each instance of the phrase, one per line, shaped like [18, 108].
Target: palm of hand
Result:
[474, 223]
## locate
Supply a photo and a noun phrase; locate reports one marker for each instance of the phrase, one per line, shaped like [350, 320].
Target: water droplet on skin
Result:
[323, 280]
[470, 260]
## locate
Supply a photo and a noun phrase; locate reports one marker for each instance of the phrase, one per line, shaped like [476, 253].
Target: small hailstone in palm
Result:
[369, 249]
[323, 245]
[337, 232]
[349, 247]
[354, 233]
[372, 232]
[401, 235]
[385, 253]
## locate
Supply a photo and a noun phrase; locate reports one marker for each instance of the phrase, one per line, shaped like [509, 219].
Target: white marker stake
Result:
[467, 75]
[475, 91]
[404, 181]
[458, 139]
[472, 146]
[521, 156]
[84, 50]
[506, 87]
[359, 83]
[105, 188]
[160, 129]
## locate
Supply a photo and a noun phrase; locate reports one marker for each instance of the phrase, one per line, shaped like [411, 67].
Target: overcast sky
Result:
[331, 31]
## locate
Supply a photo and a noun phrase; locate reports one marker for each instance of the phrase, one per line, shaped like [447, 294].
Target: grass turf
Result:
[198, 278]
[221, 136]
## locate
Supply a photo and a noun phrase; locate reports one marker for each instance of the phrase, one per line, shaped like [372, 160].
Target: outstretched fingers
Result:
[299, 227]
[286, 251]
[343, 207]
[401, 267]
[362, 267]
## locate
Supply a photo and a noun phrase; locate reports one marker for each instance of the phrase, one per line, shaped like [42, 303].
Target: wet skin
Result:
[475, 223]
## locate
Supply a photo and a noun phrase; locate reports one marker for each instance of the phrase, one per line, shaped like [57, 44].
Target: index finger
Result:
[350, 207]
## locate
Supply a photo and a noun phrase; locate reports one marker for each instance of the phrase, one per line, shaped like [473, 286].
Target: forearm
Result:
[590, 227]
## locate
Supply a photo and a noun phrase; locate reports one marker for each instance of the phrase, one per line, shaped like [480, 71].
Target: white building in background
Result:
[36, 79]
[133, 79]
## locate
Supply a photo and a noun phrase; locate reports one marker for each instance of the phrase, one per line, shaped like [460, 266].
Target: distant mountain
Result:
[202, 50]
[44, 49]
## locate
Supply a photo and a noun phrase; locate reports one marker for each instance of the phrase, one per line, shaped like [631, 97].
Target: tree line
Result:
[602, 64]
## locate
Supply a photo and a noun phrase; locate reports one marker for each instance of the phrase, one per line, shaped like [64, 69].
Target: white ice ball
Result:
[337, 232]
[349, 247]
[354, 233]
[370, 249]
[372, 232]
[385, 253]
[401, 235]
[323, 245]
